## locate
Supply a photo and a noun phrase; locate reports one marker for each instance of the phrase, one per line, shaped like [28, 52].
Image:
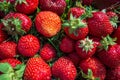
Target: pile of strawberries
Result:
[59, 40]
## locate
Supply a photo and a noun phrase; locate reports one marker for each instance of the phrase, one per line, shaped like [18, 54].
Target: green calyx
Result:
[10, 73]
[86, 44]
[106, 42]
[89, 75]
[114, 21]
[20, 2]
[6, 6]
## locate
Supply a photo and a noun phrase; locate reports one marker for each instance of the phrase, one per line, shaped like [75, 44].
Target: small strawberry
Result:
[110, 51]
[99, 25]
[94, 68]
[64, 69]
[26, 6]
[87, 2]
[85, 48]
[28, 45]
[48, 23]
[67, 45]
[8, 50]
[48, 52]
[37, 69]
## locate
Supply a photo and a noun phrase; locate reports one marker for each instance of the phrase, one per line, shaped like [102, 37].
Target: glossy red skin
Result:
[99, 25]
[28, 8]
[48, 52]
[3, 35]
[8, 50]
[87, 2]
[57, 6]
[64, 69]
[37, 69]
[83, 54]
[26, 22]
[67, 45]
[111, 57]
[95, 65]
[113, 74]
[28, 45]
[13, 62]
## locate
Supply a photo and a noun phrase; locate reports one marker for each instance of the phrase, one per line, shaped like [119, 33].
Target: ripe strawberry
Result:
[94, 68]
[109, 54]
[85, 48]
[67, 45]
[48, 53]
[87, 2]
[48, 23]
[64, 69]
[99, 25]
[7, 50]
[113, 74]
[57, 6]
[26, 6]
[28, 45]
[111, 14]
[37, 69]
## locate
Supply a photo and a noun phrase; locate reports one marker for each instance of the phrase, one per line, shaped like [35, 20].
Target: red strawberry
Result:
[28, 45]
[109, 54]
[113, 74]
[7, 50]
[37, 69]
[48, 23]
[87, 2]
[26, 6]
[85, 48]
[67, 45]
[94, 68]
[64, 69]
[57, 6]
[99, 25]
[48, 53]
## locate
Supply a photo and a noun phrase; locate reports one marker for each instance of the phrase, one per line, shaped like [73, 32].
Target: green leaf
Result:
[90, 74]
[5, 77]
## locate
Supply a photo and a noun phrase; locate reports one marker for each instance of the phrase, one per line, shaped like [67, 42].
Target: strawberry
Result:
[67, 45]
[113, 74]
[28, 45]
[64, 69]
[48, 23]
[37, 69]
[26, 6]
[110, 51]
[48, 53]
[85, 48]
[99, 25]
[94, 68]
[57, 6]
[8, 50]
[87, 2]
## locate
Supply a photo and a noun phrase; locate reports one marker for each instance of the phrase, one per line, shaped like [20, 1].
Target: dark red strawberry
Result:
[28, 45]
[113, 74]
[8, 50]
[109, 54]
[99, 25]
[37, 69]
[57, 6]
[92, 68]
[26, 6]
[48, 52]
[87, 2]
[64, 69]
[85, 48]
[67, 45]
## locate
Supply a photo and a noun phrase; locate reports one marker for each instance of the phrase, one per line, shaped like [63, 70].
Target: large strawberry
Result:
[37, 69]
[92, 69]
[99, 24]
[109, 54]
[26, 6]
[85, 48]
[48, 23]
[64, 69]
[28, 45]
[8, 50]
[57, 6]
